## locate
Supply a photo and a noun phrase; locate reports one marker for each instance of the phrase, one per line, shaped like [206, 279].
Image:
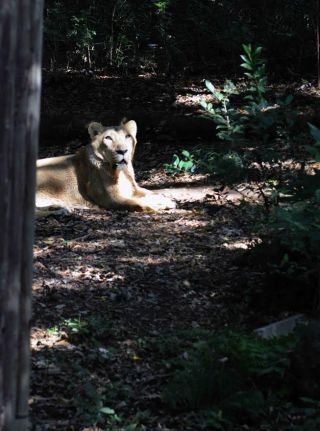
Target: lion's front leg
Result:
[137, 190]
[141, 192]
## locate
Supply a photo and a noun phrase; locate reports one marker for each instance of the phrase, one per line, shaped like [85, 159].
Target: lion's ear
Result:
[131, 127]
[95, 128]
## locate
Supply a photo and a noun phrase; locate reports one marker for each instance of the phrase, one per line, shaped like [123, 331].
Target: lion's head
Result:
[113, 145]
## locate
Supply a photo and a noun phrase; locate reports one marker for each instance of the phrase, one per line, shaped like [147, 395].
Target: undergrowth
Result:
[231, 379]
[227, 380]
[258, 136]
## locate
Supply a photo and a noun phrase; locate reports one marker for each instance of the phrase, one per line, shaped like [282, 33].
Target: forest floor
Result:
[111, 289]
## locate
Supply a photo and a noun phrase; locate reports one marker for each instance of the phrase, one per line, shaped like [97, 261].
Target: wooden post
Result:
[20, 78]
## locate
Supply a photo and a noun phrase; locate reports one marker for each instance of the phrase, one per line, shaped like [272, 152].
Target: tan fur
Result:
[99, 174]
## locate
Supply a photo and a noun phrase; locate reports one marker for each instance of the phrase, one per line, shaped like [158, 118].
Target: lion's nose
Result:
[122, 152]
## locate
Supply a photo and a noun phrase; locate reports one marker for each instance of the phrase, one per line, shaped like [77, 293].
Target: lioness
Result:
[99, 174]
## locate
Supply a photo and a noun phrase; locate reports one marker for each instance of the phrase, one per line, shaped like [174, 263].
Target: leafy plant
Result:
[74, 325]
[264, 119]
[290, 248]
[230, 165]
[161, 5]
[229, 374]
[314, 150]
[95, 328]
[255, 70]
[95, 401]
[89, 402]
[72, 29]
[228, 119]
[297, 226]
[258, 124]
[183, 164]
[81, 30]
[305, 193]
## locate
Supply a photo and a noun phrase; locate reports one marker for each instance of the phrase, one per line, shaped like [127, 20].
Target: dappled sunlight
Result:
[193, 100]
[150, 260]
[125, 257]
[192, 223]
[157, 181]
[242, 244]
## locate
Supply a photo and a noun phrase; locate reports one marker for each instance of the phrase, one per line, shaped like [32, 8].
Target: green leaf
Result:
[246, 66]
[247, 49]
[245, 59]
[315, 132]
[229, 87]
[237, 129]
[209, 86]
[176, 160]
[219, 119]
[310, 400]
[107, 411]
[219, 95]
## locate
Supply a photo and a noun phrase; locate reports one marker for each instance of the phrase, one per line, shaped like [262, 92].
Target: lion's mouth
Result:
[121, 163]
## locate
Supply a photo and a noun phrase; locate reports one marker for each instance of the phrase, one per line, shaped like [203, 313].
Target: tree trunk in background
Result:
[20, 73]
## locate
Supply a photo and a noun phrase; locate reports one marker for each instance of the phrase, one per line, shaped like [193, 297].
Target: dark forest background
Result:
[178, 36]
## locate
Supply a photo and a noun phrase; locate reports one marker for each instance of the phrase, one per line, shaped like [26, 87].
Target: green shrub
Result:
[258, 124]
[296, 226]
[230, 165]
[232, 121]
[255, 70]
[228, 120]
[183, 164]
[231, 375]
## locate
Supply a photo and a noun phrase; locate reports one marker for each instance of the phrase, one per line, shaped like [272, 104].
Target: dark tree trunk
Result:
[20, 62]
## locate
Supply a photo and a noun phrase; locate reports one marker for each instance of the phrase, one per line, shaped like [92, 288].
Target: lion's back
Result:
[57, 180]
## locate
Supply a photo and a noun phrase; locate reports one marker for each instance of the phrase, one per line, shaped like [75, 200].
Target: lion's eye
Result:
[128, 136]
[107, 139]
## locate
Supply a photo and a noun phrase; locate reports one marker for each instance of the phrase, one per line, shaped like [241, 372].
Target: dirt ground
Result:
[109, 285]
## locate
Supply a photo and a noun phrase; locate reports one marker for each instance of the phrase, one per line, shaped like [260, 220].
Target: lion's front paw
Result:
[155, 202]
